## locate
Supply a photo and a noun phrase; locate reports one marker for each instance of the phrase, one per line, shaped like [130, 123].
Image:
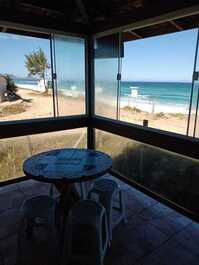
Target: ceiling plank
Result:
[138, 36]
[4, 29]
[172, 22]
[82, 10]
[145, 18]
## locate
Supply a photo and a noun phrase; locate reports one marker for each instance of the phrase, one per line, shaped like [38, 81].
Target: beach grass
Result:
[161, 171]
[132, 109]
[14, 151]
[178, 115]
[173, 176]
[160, 115]
[13, 109]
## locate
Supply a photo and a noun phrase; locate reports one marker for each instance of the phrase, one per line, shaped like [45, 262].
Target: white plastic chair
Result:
[104, 191]
[39, 211]
[82, 189]
[86, 236]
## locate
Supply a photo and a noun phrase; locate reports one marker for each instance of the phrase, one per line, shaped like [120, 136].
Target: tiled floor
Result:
[154, 234]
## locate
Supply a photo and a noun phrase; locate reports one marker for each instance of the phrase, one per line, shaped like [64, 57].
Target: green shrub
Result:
[160, 115]
[10, 84]
[12, 109]
[178, 115]
[130, 109]
[172, 176]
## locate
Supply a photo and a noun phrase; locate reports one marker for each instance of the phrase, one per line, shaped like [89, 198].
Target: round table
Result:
[64, 167]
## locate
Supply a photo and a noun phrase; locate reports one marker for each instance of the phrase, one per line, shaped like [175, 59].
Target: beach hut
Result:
[157, 171]
[3, 87]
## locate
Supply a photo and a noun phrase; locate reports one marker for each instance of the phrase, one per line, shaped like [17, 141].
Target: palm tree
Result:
[37, 64]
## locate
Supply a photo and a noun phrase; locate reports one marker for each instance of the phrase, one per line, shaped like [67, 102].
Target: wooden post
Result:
[145, 123]
[90, 98]
[3, 88]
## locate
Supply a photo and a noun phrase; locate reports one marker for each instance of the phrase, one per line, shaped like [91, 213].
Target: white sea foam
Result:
[27, 86]
[153, 107]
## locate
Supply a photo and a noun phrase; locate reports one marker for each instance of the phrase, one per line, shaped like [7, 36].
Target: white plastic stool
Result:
[104, 190]
[86, 237]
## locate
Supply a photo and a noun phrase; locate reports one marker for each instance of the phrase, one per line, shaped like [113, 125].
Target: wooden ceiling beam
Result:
[138, 3]
[40, 23]
[146, 17]
[178, 27]
[82, 10]
[4, 29]
[40, 10]
[138, 36]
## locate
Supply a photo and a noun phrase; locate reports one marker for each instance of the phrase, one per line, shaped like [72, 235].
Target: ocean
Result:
[157, 96]
[31, 84]
[147, 96]
[26, 81]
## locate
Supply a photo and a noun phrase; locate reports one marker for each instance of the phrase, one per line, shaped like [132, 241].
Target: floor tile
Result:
[138, 238]
[9, 222]
[168, 254]
[154, 234]
[8, 248]
[165, 219]
[189, 238]
[11, 187]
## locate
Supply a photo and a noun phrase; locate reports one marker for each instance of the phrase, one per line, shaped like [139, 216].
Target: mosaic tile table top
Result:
[69, 165]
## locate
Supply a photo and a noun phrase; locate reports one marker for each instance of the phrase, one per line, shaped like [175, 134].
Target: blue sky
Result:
[69, 55]
[12, 51]
[164, 58]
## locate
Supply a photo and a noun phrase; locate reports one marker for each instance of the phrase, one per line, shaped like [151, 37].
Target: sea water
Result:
[157, 96]
[31, 84]
[151, 96]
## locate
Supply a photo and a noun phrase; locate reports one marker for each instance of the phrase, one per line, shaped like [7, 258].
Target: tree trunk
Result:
[46, 87]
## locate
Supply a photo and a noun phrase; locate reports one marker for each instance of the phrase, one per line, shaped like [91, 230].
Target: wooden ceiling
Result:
[162, 28]
[89, 17]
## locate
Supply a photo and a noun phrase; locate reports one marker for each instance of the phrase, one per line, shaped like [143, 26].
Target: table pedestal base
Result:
[68, 196]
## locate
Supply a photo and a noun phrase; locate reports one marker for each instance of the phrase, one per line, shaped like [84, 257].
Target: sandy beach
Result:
[40, 105]
[173, 122]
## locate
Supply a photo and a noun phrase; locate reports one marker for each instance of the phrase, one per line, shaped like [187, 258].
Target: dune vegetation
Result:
[172, 176]
[14, 151]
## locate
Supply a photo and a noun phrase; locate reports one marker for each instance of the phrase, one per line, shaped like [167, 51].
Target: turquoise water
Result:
[160, 92]
[26, 81]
